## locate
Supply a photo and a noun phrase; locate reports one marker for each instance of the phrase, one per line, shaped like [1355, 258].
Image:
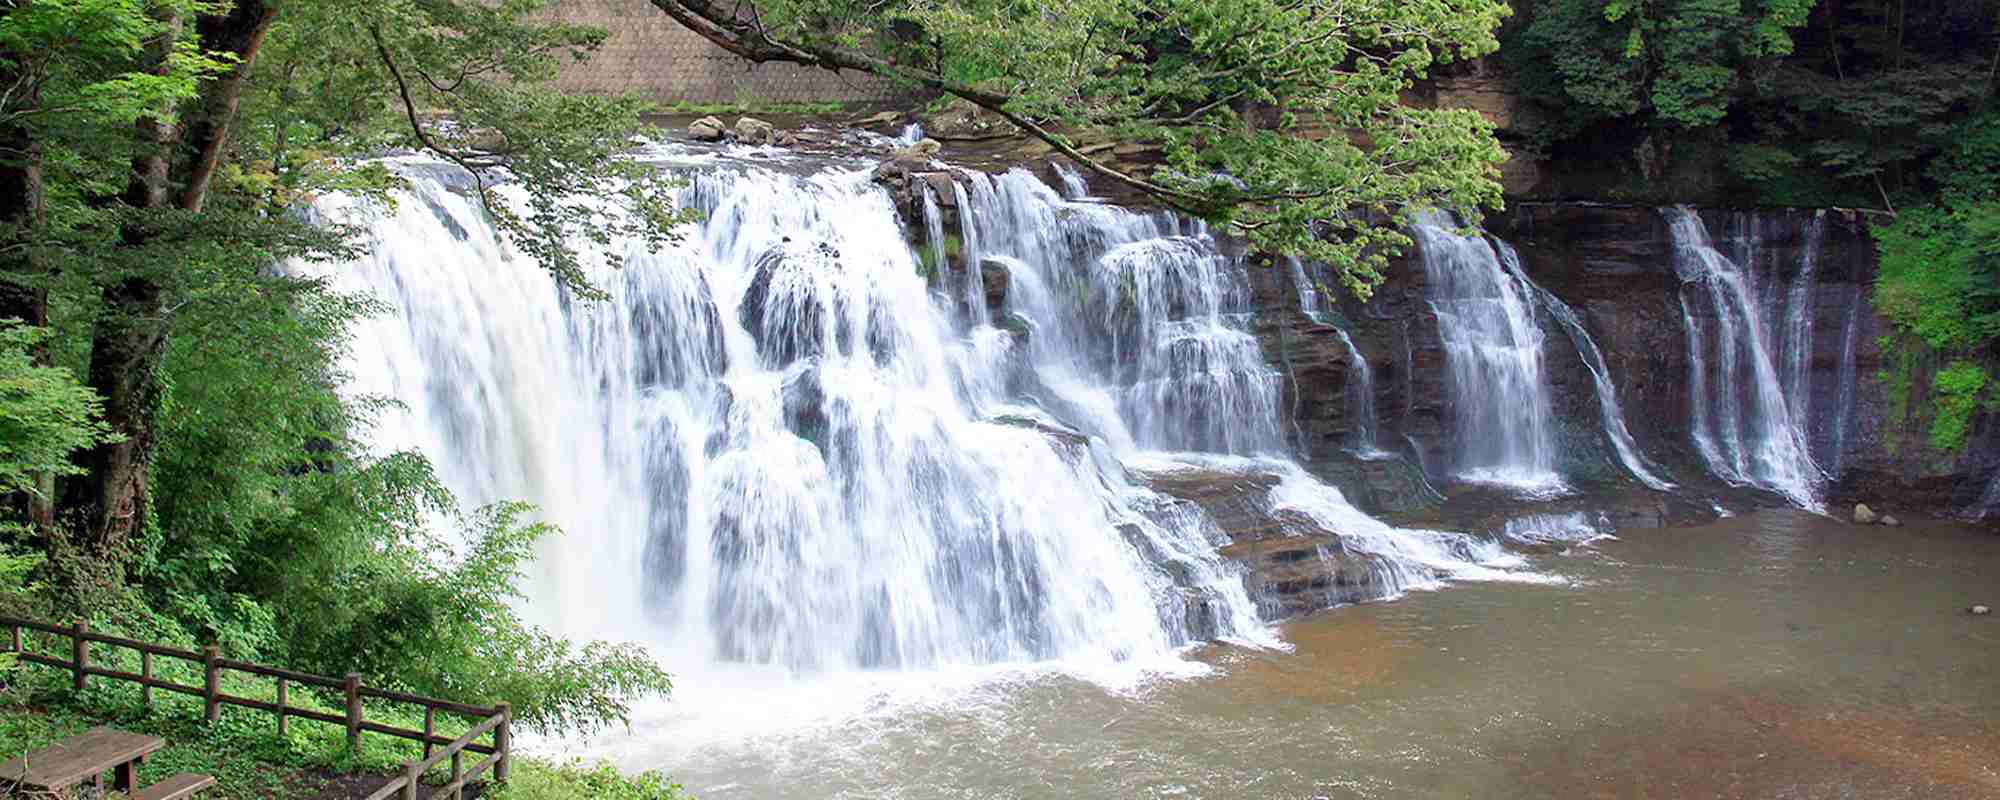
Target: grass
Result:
[247, 756]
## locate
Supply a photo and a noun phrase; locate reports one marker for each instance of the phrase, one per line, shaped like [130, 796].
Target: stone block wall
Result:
[650, 53]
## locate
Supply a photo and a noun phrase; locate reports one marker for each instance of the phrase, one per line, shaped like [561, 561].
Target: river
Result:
[1777, 655]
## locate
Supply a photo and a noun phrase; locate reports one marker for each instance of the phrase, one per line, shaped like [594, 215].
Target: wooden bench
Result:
[82, 758]
[178, 787]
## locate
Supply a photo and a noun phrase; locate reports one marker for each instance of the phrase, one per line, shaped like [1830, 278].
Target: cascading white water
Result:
[1542, 530]
[1074, 186]
[1493, 348]
[1740, 418]
[1360, 390]
[1988, 502]
[1798, 311]
[1850, 332]
[776, 445]
[1610, 416]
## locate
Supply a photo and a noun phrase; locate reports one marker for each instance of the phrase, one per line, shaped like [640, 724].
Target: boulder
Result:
[960, 119]
[750, 130]
[1891, 521]
[923, 150]
[1980, 610]
[707, 129]
[1863, 515]
[879, 119]
[782, 308]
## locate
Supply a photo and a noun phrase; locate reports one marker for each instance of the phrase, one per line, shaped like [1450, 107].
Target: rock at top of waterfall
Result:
[750, 130]
[707, 129]
[1863, 515]
[1980, 611]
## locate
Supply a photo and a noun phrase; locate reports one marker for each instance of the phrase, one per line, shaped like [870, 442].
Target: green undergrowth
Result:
[244, 751]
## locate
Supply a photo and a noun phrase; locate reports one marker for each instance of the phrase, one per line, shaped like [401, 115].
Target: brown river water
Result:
[1774, 655]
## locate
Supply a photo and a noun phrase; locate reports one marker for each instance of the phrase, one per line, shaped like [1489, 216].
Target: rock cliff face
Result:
[1615, 267]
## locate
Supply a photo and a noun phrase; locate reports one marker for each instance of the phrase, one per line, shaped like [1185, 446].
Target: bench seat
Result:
[178, 787]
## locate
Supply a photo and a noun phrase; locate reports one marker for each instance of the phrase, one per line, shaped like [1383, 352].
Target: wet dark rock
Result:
[995, 278]
[907, 178]
[1062, 435]
[1295, 565]
[797, 328]
[805, 405]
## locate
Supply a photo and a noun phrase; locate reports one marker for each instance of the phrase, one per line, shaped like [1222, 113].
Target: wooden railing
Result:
[496, 720]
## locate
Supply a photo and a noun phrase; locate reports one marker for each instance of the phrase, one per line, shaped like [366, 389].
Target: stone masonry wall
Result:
[650, 53]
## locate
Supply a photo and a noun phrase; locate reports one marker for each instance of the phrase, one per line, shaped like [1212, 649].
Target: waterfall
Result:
[1798, 310]
[1308, 293]
[1074, 187]
[1494, 349]
[1988, 501]
[971, 254]
[775, 445]
[1741, 423]
[1360, 390]
[1359, 384]
[934, 232]
[1845, 411]
[1610, 416]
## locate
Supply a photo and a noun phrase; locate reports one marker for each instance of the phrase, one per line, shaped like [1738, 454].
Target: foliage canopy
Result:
[1284, 120]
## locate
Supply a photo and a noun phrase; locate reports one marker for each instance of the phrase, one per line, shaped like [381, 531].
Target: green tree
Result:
[1240, 94]
[139, 231]
[1669, 63]
[152, 169]
[45, 416]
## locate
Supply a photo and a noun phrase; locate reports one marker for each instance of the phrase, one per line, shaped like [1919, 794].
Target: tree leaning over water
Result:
[1281, 118]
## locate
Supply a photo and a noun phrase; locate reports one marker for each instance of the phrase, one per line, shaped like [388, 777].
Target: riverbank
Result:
[250, 762]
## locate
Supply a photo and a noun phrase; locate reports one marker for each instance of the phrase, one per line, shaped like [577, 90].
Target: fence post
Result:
[281, 708]
[15, 638]
[80, 653]
[410, 776]
[353, 688]
[146, 674]
[458, 788]
[503, 741]
[211, 683]
[430, 729]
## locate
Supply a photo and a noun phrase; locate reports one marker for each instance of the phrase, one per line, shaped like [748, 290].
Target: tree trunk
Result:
[106, 506]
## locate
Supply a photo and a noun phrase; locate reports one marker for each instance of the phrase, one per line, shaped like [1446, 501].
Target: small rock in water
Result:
[706, 129]
[1863, 515]
[1980, 611]
[1891, 521]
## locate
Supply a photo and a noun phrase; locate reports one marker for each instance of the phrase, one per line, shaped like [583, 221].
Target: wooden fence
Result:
[497, 720]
